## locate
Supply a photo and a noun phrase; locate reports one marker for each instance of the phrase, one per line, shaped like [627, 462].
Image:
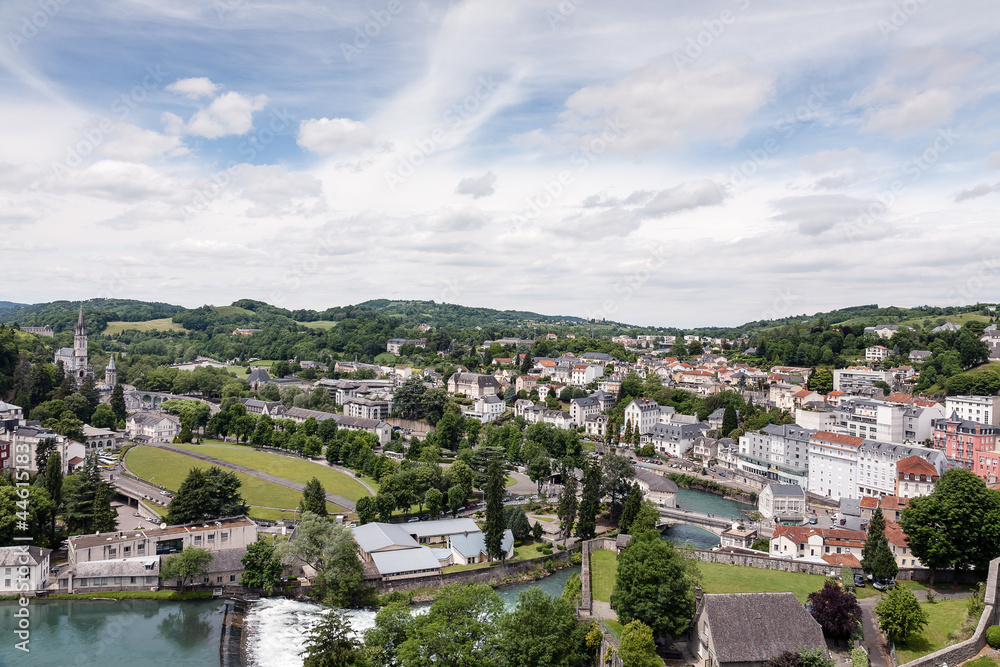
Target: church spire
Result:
[80, 329]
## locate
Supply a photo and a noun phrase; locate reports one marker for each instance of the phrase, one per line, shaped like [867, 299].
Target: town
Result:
[444, 459]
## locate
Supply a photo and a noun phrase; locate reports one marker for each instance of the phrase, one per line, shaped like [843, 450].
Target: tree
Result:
[637, 647]
[308, 544]
[456, 498]
[616, 481]
[590, 503]
[332, 643]
[836, 610]
[385, 503]
[91, 395]
[633, 503]
[314, 498]
[821, 381]
[646, 519]
[105, 518]
[539, 470]
[876, 556]
[104, 417]
[53, 480]
[87, 504]
[900, 615]
[957, 526]
[459, 629]
[341, 580]
[568, 504]
[191, 563]
[494, 526]
[434, 500]
[730, 422]
[67, 424]
[365, 507]
[517, 522]
[261, 566]
[541, 631]
[204, 495]
[382, 641]
[652, 585]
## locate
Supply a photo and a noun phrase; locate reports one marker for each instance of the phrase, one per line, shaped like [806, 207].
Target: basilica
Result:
[74, 359]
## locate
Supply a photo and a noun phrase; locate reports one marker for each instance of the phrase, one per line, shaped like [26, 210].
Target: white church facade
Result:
[74, 359]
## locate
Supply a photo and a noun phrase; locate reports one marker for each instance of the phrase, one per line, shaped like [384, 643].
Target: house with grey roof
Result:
[467, 549]
[673, 439]
[659, 489]
[473, 385]
[747, 629]
[35, 573]
[782, 502]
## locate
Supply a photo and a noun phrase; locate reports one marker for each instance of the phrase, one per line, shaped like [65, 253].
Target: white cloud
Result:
[194, 87]
[481, 186]
[229, 113]
[133, 144]
[980, 190]
[329, 135]
[815, 214]
[662, 106]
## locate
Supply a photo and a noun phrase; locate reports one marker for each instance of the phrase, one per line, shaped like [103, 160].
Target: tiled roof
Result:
[916, 465]
[754, 627]
[837, 438]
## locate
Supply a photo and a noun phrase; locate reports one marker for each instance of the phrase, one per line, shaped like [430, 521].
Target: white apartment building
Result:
[980, 409]
[833, 464]
[817, 420]
[779, 453]
[644, 413]
[877, 352]
[886, 422]
[853, 378]
[877, 461]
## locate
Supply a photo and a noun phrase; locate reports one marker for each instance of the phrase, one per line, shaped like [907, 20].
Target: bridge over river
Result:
[716, 524]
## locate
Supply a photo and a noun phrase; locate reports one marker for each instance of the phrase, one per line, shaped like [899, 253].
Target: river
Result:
[707, 503]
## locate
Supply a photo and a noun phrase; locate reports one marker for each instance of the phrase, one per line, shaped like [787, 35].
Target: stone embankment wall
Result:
[953, 655]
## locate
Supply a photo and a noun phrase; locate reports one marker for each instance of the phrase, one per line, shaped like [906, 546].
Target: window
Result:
[131, 580]
[211, 538]
[81, 582]
[126, 551]
[197, 539]
[118, 581]
[141, 548]
[6, 583]
[232, 577]
[218, 579]
[224, 536]
[112, 552]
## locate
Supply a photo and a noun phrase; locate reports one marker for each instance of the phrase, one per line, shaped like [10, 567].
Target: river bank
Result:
[685, 481]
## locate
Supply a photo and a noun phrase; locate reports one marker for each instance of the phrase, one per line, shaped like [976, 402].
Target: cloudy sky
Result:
[667, 163]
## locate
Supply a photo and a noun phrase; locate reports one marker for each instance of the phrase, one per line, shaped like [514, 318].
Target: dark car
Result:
[859, 581]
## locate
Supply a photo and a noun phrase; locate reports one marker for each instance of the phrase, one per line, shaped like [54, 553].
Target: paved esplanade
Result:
[330, 497]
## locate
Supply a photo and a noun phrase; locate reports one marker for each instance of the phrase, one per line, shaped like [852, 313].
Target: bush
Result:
[575, 559]
[993, 636]
[859, 658]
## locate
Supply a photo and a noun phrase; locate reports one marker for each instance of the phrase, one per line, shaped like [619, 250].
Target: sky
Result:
[656, 163]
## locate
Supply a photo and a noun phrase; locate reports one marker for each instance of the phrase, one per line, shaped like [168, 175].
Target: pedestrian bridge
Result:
[671, 516]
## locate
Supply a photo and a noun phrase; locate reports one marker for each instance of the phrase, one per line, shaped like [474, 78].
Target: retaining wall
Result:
[968, 649]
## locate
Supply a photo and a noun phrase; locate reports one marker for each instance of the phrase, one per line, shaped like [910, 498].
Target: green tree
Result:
[385, 503]
[53, 480]
[459, 629]
[633, 503]
[541, 631]
[365, 507]
[341, 581]
[730, 422]
[314, 498]
[308, 544]
[876, 556]
[90, 393]
[646, 519]
[539, 470]
[261, 566]
[957, 525]
[900, 615]
[652, 585]
[637, 647]
[517, 522]
[190, 564]
[434, 500]
[87, 503]
[617, 474]
[67, 424]
[590, 502]
[204, 495]
[105, 518]
[568, 503]
[104, 417]
[333, 643]
[821, 381]
[494, 526]
[456, 498]
[382, 641]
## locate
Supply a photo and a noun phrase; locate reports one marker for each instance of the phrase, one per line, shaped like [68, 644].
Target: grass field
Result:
[602, 574]
[945, 616]
[722, 578]
[231, 310]
[318, 324]
[168, 469]
[297, 470]
[164, 324]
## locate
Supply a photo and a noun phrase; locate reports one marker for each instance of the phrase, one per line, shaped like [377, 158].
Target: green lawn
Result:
[164, 324]
[318, 324]
[945, 616]
[530, 550]
[168, 469]
[297, 470]
[915, 586]
[722, 578]
[603, 565]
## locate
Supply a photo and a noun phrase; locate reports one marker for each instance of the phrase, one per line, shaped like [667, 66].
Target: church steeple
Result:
[81, 330]
[80, 349]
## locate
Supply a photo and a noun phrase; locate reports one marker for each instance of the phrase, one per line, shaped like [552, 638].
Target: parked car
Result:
[425, 517]
[884, 584]
[859, 581]
[415, 519]
[813, 520]
[722, 474]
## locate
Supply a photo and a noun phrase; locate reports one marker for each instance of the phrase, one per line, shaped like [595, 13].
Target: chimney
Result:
[697, 593]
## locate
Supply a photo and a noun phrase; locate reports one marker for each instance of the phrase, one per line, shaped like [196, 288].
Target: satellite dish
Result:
[162, 526]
